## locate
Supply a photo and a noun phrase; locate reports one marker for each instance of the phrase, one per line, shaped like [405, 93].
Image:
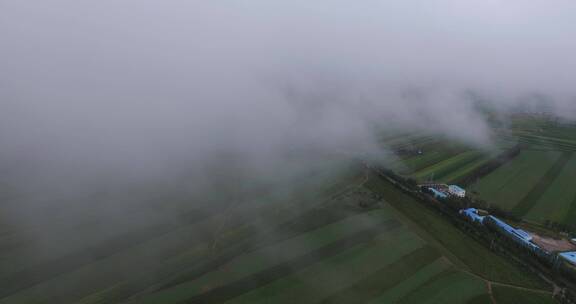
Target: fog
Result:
[149, 97]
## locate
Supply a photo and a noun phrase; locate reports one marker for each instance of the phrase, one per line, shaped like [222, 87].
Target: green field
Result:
[509, 184]
[317, 247]
[439, 159]
[455, 244]
[451, 167]
[507, 295]
[536, 185]
[558, 201]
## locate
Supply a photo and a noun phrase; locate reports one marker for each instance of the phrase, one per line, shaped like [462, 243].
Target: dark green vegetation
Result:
[438, 159]
[354, 239]
[507, 295]
[460, 248]
[534, 183]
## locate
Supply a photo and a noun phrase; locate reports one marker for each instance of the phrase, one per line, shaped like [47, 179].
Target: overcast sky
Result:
[130, 89]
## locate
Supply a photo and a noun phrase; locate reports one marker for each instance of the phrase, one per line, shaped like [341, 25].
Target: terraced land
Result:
[322, 247]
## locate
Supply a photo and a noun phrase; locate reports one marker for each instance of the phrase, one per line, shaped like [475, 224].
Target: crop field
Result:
[558, 201]
[374, 257]
[455, 244]
[536, 185]
[541, 134]
[509, 184]
[506, 295]
[319, 247]
[434, 158]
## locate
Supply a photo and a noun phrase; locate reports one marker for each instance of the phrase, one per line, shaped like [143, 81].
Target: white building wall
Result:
[457, 191]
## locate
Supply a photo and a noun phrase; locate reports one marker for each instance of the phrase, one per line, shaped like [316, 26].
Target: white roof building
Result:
[456, 191]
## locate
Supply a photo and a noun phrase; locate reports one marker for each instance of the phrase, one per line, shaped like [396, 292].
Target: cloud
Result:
[108, 94]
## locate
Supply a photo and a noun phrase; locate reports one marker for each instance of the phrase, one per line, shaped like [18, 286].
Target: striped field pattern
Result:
[318, 248]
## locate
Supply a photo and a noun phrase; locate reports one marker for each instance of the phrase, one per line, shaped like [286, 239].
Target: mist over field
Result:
[106, 105]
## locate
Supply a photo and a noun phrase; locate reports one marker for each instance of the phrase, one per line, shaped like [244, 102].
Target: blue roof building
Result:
[472, 214]
[569, 256]
[438, 194]
[517, 234]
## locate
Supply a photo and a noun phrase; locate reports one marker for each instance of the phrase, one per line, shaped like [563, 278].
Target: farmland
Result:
[508, 185]
[534, 185]
[457, 246]
[400, 261]
[440, 159]
[319, 246]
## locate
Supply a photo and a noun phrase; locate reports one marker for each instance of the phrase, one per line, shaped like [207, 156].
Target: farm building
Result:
[456, 191]
[473, 215]
[519, 236]
[566, 263]
[569, 257]
[437, 193]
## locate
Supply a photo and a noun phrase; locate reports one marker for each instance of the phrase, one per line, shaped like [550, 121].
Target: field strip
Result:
[558, 198]
[460, 166]
[173, 242]
[82, 252]
[183, 269]
[548, 139]
[506, 284]
[538, 190]
[449, 286]
[393, 295]
[506, 186]
[425, 235]
[431, 158]
[30, 277]
[321, 218]
[229, 291]
[385, 278]
[284, 248]
[330, 275]
[571, 214]
[444, 167]
[459, 174]
[102, 273]
[504, 294]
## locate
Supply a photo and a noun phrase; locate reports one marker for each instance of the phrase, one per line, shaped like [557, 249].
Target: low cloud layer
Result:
[133, 92]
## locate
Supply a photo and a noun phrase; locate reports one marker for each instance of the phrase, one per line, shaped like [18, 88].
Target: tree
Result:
[412, 183]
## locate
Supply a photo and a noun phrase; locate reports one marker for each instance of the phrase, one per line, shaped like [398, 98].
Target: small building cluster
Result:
[444, 191]
[523, 239]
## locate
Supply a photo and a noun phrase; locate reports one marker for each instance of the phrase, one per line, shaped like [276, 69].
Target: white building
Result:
[456, 191]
